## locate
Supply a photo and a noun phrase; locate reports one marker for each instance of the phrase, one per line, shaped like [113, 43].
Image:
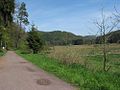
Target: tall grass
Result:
[90, 56]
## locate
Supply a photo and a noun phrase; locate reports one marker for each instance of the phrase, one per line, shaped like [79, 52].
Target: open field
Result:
[90, 56]
[76, 65]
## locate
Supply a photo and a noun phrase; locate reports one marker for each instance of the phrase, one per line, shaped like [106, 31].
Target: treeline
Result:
[113, 37]
[13, 35]
[67, 38]
[13, 17]
[60, 38]
[6, 21]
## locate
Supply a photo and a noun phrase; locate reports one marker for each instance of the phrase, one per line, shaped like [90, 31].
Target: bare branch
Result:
[117, 14]
[105, 25]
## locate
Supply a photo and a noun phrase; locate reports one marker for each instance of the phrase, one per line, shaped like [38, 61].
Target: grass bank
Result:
[76, 74]
[2, 52]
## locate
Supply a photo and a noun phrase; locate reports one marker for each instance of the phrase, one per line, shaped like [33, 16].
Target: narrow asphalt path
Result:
[18, 74]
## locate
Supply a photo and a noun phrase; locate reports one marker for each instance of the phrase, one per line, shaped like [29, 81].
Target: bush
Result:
[2, 52]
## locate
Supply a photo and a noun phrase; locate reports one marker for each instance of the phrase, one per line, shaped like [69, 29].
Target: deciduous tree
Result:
[105, 25]
[21, 17]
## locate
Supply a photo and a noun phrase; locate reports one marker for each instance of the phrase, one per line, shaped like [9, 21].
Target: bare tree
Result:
[105, 25]
[117, 14]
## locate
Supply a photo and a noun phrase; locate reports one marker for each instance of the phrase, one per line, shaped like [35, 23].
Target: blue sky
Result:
[74, 16]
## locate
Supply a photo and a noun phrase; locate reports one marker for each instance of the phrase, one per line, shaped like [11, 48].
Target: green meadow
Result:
[81, 65]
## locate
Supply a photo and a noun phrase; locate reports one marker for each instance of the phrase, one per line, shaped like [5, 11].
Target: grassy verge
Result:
[113, 60]
[76, 74]
[2, 52]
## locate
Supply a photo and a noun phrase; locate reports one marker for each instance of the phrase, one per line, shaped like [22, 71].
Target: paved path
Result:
[18, 74]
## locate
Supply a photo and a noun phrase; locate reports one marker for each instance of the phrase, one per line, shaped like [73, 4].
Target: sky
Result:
[74, 16]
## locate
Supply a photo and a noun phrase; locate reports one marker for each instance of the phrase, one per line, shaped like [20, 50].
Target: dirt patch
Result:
[43, 82]
[2, 61]
[1, 68]
[23, 62]
[30, 69]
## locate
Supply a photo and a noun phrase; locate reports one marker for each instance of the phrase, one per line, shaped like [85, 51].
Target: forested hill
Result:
[112, 37]
[67, 38]
[61, 38]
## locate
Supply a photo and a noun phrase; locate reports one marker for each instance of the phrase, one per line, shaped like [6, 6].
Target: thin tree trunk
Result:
[18, 36]
[104, 57]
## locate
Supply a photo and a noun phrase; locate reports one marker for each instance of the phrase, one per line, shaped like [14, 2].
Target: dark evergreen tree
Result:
[7, 8]
[34, 40]
[22, 14]
[6, 11]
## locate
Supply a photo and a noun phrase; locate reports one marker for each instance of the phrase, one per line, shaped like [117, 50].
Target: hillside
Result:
[113, 37]
[59, 37]
[67, 38]
[90, 39]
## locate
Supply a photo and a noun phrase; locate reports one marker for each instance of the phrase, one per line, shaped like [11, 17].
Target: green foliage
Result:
[22, 14]
[9, 36]
[7, 8]
[34, 40]
[21, 18]
[77, 42]
[89, 39]
[2, 52]
[6, 11]
[76, 74]
[4, 37]
[59, 37]
[15, 34]
[67, 38]
[113, 37]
